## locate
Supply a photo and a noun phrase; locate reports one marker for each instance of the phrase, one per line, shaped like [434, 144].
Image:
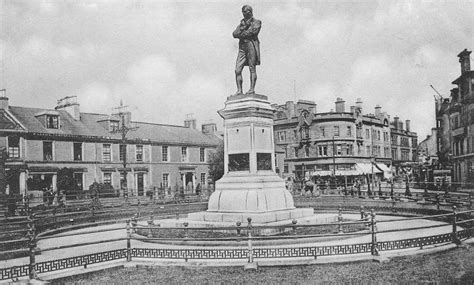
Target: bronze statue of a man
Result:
[249, 48]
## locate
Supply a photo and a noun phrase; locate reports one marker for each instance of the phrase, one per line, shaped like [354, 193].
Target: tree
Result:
[216, 163]
[66, 180]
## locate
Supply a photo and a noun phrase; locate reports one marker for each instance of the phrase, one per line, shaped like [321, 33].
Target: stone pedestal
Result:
[250, 187]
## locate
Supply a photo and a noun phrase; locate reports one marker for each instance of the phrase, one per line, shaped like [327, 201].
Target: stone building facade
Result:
[40, 142]
[341, 143]
[404, 145]
[454, 124]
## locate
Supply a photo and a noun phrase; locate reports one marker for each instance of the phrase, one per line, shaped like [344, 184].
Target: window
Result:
[203, 179]
[336, 131]
[306, 151]
[78, 180]
[139, 152]
[123, 182]
[202, 154]
[184, 154]
[296, 151]
[385, 136]
[367, 134]
[122, 152]
[304, 132]
[14, 147]
[281, 136]
[322, 150]
[107, 177]
[323, 132]
[285, 168]
[164, 153]
[106, 153]
[386, 152]
[368, 151]
[52, 121]
[338, 150]
[349, 131]
[77, 152]
[47, 150]
[114, 126]
[166, 180]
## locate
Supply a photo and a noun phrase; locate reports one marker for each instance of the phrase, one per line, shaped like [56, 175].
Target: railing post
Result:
[362, 216]
[238, 224]
[186, 234]
[177, 213]
[150, 225]
[250, 264]
[391, 189]
[134, 223]
[374, 250]
[138, 207]
[339, 219]
[32, 245]
[294, 222]
[129, 248]
[455, 238]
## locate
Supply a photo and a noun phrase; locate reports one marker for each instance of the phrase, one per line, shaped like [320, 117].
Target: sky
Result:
[166, 59]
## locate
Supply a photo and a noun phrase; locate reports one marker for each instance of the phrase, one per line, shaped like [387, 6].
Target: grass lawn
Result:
[454, 266]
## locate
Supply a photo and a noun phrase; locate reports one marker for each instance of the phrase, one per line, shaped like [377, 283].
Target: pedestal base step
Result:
[257, 218]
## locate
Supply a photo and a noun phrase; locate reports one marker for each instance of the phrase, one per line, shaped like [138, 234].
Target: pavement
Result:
[115, 231]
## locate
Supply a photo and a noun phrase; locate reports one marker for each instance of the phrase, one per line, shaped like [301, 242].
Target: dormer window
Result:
[114, 126]
[52, 121]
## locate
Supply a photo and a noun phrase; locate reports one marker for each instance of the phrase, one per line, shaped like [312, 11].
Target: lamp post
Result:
[123, 130]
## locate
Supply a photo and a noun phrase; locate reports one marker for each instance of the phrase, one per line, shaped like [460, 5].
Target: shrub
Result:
[102, 190]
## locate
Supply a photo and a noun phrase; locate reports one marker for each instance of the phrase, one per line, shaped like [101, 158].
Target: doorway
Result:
[189, 182]
[140, 184]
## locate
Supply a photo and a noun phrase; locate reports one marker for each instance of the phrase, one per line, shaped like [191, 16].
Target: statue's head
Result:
[247, 11]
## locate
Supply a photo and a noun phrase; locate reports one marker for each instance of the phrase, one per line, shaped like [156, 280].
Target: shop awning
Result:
[367, 168]
[387, 172]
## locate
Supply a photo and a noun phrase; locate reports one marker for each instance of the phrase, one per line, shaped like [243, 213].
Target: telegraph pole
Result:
[123, 130]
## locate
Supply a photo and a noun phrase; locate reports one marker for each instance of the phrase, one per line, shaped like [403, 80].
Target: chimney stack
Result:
[3, 99]
[359, 104]
[340, 105]
[378, 111]
[465, 60]
[290, 106]
[190, 121]
[70, 105]
[209, 128]
[407, 125]
[396, 122]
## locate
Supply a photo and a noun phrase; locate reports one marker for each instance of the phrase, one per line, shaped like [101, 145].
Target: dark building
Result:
[454, 120]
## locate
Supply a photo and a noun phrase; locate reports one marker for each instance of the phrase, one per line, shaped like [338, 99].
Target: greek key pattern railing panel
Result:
[14, 272]
[64, 263]
[232, 253]
[414, 242]
[82, 260]
[311, 251]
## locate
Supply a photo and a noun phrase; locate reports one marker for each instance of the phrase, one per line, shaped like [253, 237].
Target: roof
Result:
[6, 122]
[89, 126]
